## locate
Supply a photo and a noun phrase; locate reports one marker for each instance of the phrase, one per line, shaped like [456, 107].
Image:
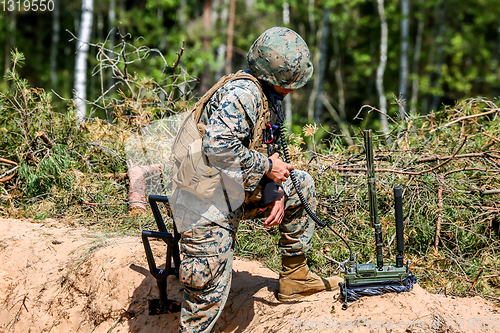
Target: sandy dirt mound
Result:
[58, 278]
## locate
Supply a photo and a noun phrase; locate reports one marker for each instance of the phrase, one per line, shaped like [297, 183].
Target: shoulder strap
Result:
[199, 106]
[262, 116]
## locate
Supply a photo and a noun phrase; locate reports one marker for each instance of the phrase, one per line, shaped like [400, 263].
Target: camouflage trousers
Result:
[207, 254]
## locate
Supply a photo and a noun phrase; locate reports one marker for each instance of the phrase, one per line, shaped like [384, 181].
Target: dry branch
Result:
[4, 160]
[179, 55]
[18, 314]
[484, 192]
[45, 139]
[470, 169]
[492, 137]
[477, 277]
[5, 177]
[414, 173]
[467, 117]
[438, 158]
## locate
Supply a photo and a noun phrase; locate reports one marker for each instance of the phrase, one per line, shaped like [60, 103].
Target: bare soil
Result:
[55, 277]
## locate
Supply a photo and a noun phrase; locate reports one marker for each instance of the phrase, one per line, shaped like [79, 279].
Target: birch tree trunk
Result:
[338, 76]
[221, 19]
[286, 13]
[416, 62]
[310, 14]
[56, 30]
[403, 73]
[82, 49]
[319, 63]
[230, 34]
[381, 67]
[322, 64]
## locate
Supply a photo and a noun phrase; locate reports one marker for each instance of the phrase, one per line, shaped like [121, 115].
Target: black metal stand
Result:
[162, 304]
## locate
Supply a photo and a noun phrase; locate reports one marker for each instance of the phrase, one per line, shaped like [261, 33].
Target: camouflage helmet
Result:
[281, 57]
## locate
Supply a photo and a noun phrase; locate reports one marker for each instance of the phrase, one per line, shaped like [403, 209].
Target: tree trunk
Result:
[436, 75]
[322, 64]
[416, 61]
[230, 34]
[314, 93]
[205, 77]
[319, 60]
[82, 49]
[343, 126]
[338, 76]
[56, 30]
[310, 14]
[403, 73]
[496, 66]
[381, 67]
[286, 13]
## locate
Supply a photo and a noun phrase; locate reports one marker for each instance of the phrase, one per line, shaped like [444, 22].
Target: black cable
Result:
[295, 183]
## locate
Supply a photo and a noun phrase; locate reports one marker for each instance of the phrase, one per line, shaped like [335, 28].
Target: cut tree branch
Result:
[4, 160]
[45, 139]
[477, 277]
[466, 117]
[179, 55]
[438, 158]
[5, 177]
[414, 173]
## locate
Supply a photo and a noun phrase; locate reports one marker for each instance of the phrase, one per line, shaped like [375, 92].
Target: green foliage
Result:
[51, 171]
[78, 170]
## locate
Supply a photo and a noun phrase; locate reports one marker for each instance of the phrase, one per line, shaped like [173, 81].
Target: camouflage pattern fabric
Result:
[205, 272]
[229, 117]
[208, 250]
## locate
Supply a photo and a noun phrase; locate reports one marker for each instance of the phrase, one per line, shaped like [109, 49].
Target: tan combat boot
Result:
[297, 281]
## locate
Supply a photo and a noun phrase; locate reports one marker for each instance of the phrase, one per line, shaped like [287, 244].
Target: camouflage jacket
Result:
[230, 117]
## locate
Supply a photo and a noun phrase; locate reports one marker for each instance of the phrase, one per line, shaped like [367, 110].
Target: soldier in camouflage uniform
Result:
[279, 58]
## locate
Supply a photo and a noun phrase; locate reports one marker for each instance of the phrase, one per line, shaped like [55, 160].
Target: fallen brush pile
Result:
[448, 164]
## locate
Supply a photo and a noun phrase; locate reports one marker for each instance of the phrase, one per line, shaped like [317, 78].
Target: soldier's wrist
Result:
[270, 168]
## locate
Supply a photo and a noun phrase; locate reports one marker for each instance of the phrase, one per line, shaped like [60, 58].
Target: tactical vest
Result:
[192, 170]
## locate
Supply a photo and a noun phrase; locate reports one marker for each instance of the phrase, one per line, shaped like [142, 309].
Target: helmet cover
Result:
[281, 57]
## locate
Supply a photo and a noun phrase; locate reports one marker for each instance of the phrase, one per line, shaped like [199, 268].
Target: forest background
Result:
[437, 52]
[431, 65]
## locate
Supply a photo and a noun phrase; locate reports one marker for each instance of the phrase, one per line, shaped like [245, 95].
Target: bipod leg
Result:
[163, 304]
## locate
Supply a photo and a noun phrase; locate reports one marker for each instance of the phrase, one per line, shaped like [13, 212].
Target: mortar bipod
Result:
[162, 304]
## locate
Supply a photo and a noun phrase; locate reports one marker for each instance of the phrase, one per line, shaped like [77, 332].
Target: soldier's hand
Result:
[281, 170]
[277, 210]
